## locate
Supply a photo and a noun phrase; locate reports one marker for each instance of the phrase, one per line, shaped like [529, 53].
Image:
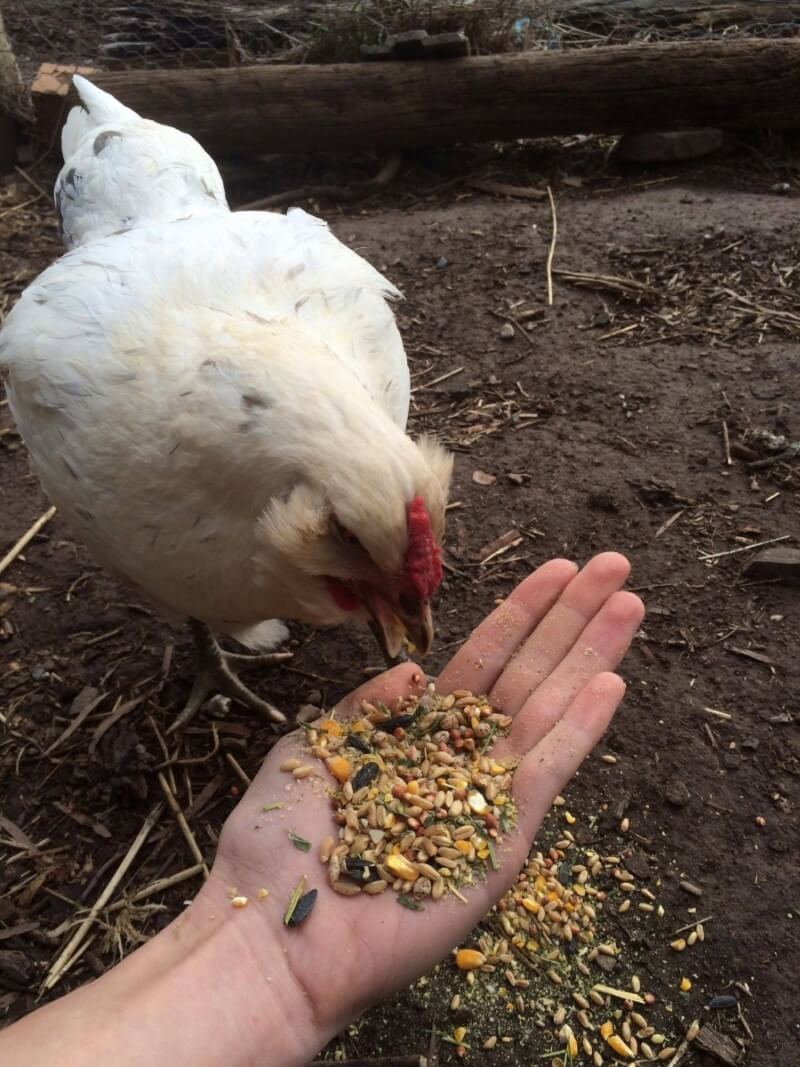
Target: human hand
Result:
[543, 657]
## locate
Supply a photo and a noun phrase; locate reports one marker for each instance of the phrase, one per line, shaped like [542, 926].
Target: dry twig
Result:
[159, 886]
[26, 538]
[744, 548]
[69, 954]
[237, 768]
[183, 825]
[552, 250]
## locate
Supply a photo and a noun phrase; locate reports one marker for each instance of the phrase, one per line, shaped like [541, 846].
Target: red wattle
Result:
[343, 595]
[423, 564]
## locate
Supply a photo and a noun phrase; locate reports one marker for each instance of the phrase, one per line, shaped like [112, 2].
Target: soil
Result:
[603, 422]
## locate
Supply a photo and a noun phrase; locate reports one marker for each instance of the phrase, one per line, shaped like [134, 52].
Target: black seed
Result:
[303, 908]
[396, 722]
[725, 1001]
[358, 870]
[354, 741]
[367, 773]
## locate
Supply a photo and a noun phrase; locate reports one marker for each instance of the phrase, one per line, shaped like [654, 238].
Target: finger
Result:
[599, 648]
[547, 768]
[558, 630]
[480, 661]
[385, 688]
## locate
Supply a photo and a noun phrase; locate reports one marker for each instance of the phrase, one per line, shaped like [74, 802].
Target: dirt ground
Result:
[635, 414]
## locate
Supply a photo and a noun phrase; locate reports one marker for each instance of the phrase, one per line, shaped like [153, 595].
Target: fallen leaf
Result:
[482, 478]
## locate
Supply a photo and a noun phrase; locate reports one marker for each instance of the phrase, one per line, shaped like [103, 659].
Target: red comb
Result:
[423, 564]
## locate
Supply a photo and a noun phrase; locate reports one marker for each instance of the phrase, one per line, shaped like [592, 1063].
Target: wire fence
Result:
[136, 34]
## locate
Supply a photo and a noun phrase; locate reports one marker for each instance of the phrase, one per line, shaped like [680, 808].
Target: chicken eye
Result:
[345, 535]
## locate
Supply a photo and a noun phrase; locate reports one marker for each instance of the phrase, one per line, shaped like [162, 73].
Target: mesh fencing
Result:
[152, 34]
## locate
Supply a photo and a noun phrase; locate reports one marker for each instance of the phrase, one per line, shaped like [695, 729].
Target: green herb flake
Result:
[492, 855]
[297, 892]
[489, 738]
[452, 1041]
[272, 807]
[407, 902]
[299, 842]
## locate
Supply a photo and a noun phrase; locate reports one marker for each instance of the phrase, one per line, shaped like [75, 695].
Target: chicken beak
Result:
[392, 625]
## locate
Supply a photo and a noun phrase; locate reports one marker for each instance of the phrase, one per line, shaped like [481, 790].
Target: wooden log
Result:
[780, 563]
[602, 17]
[734, 85]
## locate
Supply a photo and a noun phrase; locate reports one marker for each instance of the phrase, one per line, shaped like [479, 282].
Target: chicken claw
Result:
[216, 674]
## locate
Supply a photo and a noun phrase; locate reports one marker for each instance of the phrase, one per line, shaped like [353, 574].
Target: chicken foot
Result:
[216, 673]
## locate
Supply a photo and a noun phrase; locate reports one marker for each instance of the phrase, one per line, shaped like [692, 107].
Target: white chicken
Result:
[217, 403]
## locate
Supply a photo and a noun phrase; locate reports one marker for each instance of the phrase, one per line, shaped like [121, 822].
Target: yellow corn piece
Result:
[413, 786]
[678, 945]
[463, 846]
[606, 1030]
[477, 801]
[686, 985]
[469, 959]
[616, 1043]
[572, 1047]
[330, 726]
[533, 906]
[459, 1034]
[496, 769]
[570, 818]
[400, 866]
[339, 767]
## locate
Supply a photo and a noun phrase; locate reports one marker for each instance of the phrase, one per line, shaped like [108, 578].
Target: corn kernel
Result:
[460, 1033]
[469, 959]
[330, 726]
[606, 1030]
[686, 985]
[400, 866]
[339, 767]
[616, 1043]
[570, 818]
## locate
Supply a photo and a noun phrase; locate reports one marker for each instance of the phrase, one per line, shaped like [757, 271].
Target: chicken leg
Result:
[216, 673]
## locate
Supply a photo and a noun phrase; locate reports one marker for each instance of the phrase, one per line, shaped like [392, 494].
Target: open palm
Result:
[543, 657]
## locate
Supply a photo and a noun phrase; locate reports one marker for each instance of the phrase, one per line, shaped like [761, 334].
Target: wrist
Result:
[213, 987]
[230, 966]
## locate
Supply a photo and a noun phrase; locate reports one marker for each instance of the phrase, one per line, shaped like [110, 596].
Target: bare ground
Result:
[604, 423]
